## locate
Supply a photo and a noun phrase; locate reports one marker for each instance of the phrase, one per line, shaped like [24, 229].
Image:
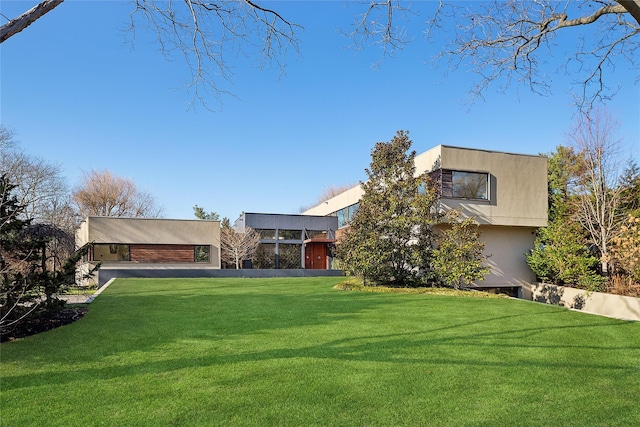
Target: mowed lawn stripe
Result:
[295, 351]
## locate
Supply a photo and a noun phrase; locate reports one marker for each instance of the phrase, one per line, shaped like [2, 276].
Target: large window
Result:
[110, 252]
[290, 256]
[265, 256]
[463, 185]
[470, 185]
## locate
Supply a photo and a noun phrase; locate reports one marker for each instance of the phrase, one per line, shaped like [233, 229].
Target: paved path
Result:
[84, 299]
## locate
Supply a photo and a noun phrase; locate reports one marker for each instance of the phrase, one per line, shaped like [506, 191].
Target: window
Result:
[469, 185]
[201, 253]
[267, 234]
[463, 185]
[110, 252]
[352, 211]
[289, 234]
[345, 215]
[290, 256]
[265, 256]
[342, 217]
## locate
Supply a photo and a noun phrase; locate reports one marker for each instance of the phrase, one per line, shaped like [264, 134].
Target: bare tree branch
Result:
[205, 32]
[18, 24]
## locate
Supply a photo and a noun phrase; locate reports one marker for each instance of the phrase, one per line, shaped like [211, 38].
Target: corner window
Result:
[201, 253]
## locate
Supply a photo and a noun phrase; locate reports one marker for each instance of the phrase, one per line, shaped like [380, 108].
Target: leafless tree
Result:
[510, 40]
[204, 32]
[598, 190]
[502, 41]
[236, 246]
[39, 183]
[104, 194]
[43, 192]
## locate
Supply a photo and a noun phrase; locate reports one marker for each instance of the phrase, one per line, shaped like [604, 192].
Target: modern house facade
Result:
[291, 241]
[149, 242]
[506, 193]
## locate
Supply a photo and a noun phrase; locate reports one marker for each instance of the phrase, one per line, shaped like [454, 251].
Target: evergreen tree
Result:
[561, 251]
[390, 237]
[458, 258]
[27, 288]
[18, 258]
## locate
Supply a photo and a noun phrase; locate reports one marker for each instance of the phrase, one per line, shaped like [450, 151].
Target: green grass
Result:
[296, 352]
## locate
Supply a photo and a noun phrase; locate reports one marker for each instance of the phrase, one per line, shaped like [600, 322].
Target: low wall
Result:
[107, 273]
[617, 306]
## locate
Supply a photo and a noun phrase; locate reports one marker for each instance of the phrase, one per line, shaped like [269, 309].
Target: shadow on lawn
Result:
[436, 345]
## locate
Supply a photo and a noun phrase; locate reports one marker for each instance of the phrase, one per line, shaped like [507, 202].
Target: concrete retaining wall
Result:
[617, 306]
[107, 273]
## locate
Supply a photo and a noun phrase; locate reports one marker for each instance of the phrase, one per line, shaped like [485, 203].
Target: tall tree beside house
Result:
[561, 250]
[103, 194]
[237, 246]
[390, 237]
[598, 187]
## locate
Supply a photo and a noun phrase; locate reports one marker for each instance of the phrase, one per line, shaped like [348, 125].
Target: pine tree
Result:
[390, 237]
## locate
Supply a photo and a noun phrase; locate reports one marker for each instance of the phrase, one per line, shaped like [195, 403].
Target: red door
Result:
[315, 256]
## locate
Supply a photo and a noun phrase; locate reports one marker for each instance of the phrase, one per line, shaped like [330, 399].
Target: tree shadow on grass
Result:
[476, 339]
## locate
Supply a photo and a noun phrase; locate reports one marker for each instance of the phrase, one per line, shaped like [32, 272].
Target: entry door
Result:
[315, 256]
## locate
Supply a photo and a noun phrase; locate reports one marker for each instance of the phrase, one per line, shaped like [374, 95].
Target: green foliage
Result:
[560, 255]
[27, 288]
[458, 258]
[630, 182]
[389, 240]
[200, 213]
[561, 250]
[626, 248]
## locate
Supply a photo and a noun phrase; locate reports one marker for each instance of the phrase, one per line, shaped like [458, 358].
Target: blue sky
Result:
[77, 94]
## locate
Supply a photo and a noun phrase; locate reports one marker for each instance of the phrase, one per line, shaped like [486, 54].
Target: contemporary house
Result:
[506, 193]
[145, 243]
[292, 241]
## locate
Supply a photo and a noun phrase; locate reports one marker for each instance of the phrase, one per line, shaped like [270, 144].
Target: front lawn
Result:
[296, 352]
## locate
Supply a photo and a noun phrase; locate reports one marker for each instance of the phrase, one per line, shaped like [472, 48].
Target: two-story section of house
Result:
[506, 193]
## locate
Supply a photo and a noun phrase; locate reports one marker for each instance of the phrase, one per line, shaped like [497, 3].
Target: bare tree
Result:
[506, 41]
[205, 33]
[39, 183]
[598, 190]
[103, 194]
[236, 246]
[43, 193]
